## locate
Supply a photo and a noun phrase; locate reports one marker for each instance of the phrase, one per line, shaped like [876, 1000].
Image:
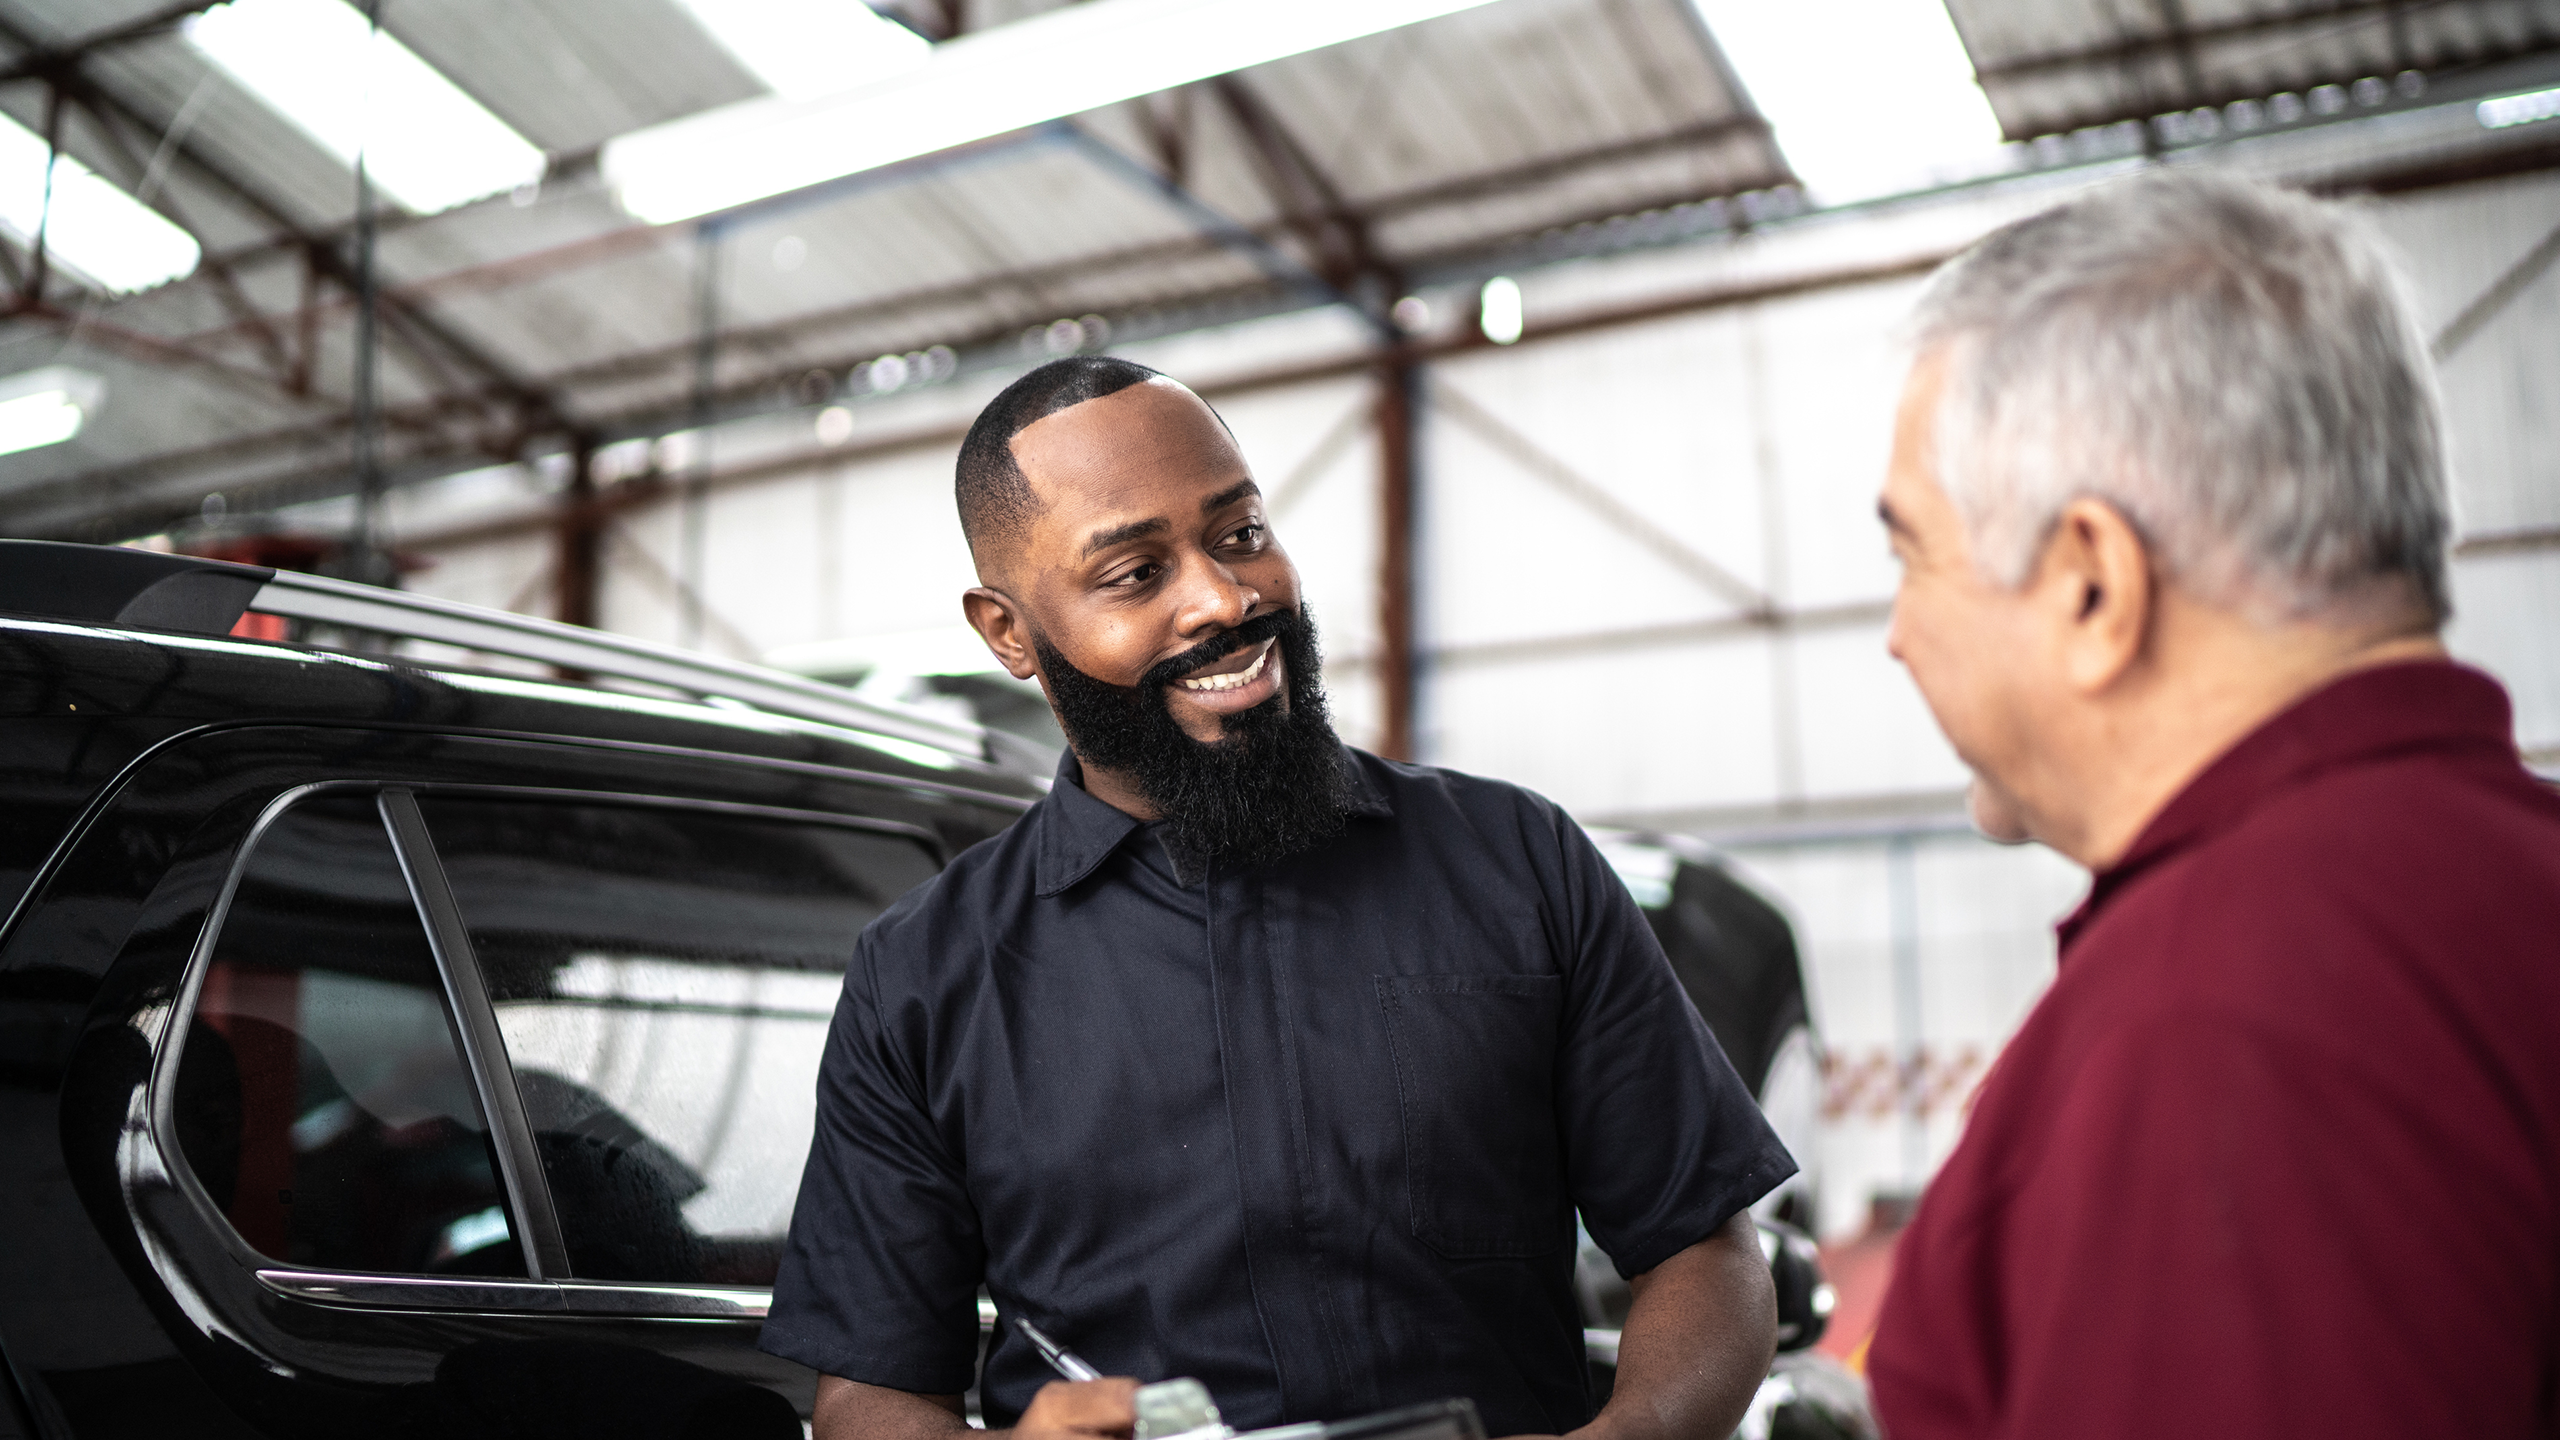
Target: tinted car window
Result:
[664, 978]
[321, 1099]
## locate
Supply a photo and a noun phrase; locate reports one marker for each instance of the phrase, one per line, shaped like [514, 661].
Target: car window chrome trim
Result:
[717, 1302]
[411, 1292]
[172, 1046]
[484, 1047]
[497, 1294]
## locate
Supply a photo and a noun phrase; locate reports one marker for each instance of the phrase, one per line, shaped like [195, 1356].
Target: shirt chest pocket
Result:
[1475, 1085]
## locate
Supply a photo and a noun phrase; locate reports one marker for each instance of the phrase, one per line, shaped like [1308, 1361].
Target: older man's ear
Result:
[2097, 591]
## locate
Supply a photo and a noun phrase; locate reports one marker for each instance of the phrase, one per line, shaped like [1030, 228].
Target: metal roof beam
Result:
[2173, 20]
[42, 60]
[534, 407]
[2167, 44]
[614, 244]
[305, 483]
[225, 285]
[1310, 203]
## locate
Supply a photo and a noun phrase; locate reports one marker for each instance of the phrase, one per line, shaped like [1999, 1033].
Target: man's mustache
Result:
[1218, 647]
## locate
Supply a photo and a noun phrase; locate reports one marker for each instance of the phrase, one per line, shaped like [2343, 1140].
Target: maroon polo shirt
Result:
[2279, 1152]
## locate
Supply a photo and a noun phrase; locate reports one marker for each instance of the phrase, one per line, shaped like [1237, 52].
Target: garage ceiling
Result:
[528, 323]
[2058, 65]
[1349, 173]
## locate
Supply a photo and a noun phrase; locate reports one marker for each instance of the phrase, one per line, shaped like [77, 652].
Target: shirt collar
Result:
[2414, 705]
[1079, 832]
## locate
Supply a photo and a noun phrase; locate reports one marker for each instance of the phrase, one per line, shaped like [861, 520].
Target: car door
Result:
[473, 1076]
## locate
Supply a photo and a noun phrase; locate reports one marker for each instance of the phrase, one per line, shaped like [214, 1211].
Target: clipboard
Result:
[1434, 1420]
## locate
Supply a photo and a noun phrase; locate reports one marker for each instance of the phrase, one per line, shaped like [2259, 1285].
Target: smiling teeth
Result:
[1245, 676]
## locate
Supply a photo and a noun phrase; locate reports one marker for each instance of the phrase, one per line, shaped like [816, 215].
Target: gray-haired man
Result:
[2279, 1153]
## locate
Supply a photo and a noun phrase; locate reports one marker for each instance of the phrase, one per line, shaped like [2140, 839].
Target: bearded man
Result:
[1244, 1055]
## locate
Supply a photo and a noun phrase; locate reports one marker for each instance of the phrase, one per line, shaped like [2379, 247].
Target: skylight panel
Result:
[97, 232]
[1867, 97]
[1057, 63]
[800, 48]
[46, 406]
[317, 63]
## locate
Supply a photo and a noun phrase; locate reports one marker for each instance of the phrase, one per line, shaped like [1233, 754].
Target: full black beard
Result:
[1272, 785]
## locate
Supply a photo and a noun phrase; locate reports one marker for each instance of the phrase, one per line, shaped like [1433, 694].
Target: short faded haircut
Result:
[2233, 366]
[996, 502]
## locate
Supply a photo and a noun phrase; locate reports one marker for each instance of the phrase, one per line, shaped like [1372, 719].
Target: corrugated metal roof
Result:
[1401, 155]
[2051, 66]
[572, 74]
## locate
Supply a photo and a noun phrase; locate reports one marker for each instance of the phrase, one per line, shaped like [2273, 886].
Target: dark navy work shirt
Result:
[1313, 1132]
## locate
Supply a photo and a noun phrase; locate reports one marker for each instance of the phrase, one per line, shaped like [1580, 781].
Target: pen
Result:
[1060, 1358]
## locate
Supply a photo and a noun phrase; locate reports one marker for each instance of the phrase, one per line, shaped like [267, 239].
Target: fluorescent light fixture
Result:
[2523, 109]
[1057, 63]
[1499, 310]
[425, 143]
[801, 48]
[1896, 111]
[98, 232]
[46, 406]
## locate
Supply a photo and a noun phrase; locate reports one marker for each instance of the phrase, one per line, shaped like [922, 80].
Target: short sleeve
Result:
[880, 1272]
[1663, 1144]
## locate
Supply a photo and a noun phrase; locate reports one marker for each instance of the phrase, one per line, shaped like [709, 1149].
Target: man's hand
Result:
[1699, 1338]
[1081, 1410]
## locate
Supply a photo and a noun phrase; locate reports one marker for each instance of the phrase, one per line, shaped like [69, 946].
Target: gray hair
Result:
[2231, 366]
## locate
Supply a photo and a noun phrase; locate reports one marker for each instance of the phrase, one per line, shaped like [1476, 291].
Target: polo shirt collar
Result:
[1078, 832]
[2417, 705]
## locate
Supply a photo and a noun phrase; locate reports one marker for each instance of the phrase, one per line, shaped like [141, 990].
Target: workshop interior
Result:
[448, 381]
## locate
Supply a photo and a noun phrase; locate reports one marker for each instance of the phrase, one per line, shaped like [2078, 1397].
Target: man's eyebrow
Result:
[1105, 539]
[1229, 496]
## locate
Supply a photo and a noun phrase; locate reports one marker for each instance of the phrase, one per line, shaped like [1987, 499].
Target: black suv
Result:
[408, 1016]
[393, 1047]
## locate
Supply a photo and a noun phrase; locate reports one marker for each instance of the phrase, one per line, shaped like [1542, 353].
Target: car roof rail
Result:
[108, 585]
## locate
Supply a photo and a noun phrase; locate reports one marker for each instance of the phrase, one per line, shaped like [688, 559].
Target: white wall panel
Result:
[1863, 726]
[2507, 620]
[508, 573]
[638, 594]
[1313, 449]
[762, 575]
[1833, 366]
[2498, 386]
[1325, 512]
[1673, 728]
[1660, 416]
[1507, 557]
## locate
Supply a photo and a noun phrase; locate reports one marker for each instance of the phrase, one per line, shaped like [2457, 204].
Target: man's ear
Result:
[999, 622]
[2097, 584]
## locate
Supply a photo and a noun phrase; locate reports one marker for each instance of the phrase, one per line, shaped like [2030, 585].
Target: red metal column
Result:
[1397, 380]
[577, 565]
